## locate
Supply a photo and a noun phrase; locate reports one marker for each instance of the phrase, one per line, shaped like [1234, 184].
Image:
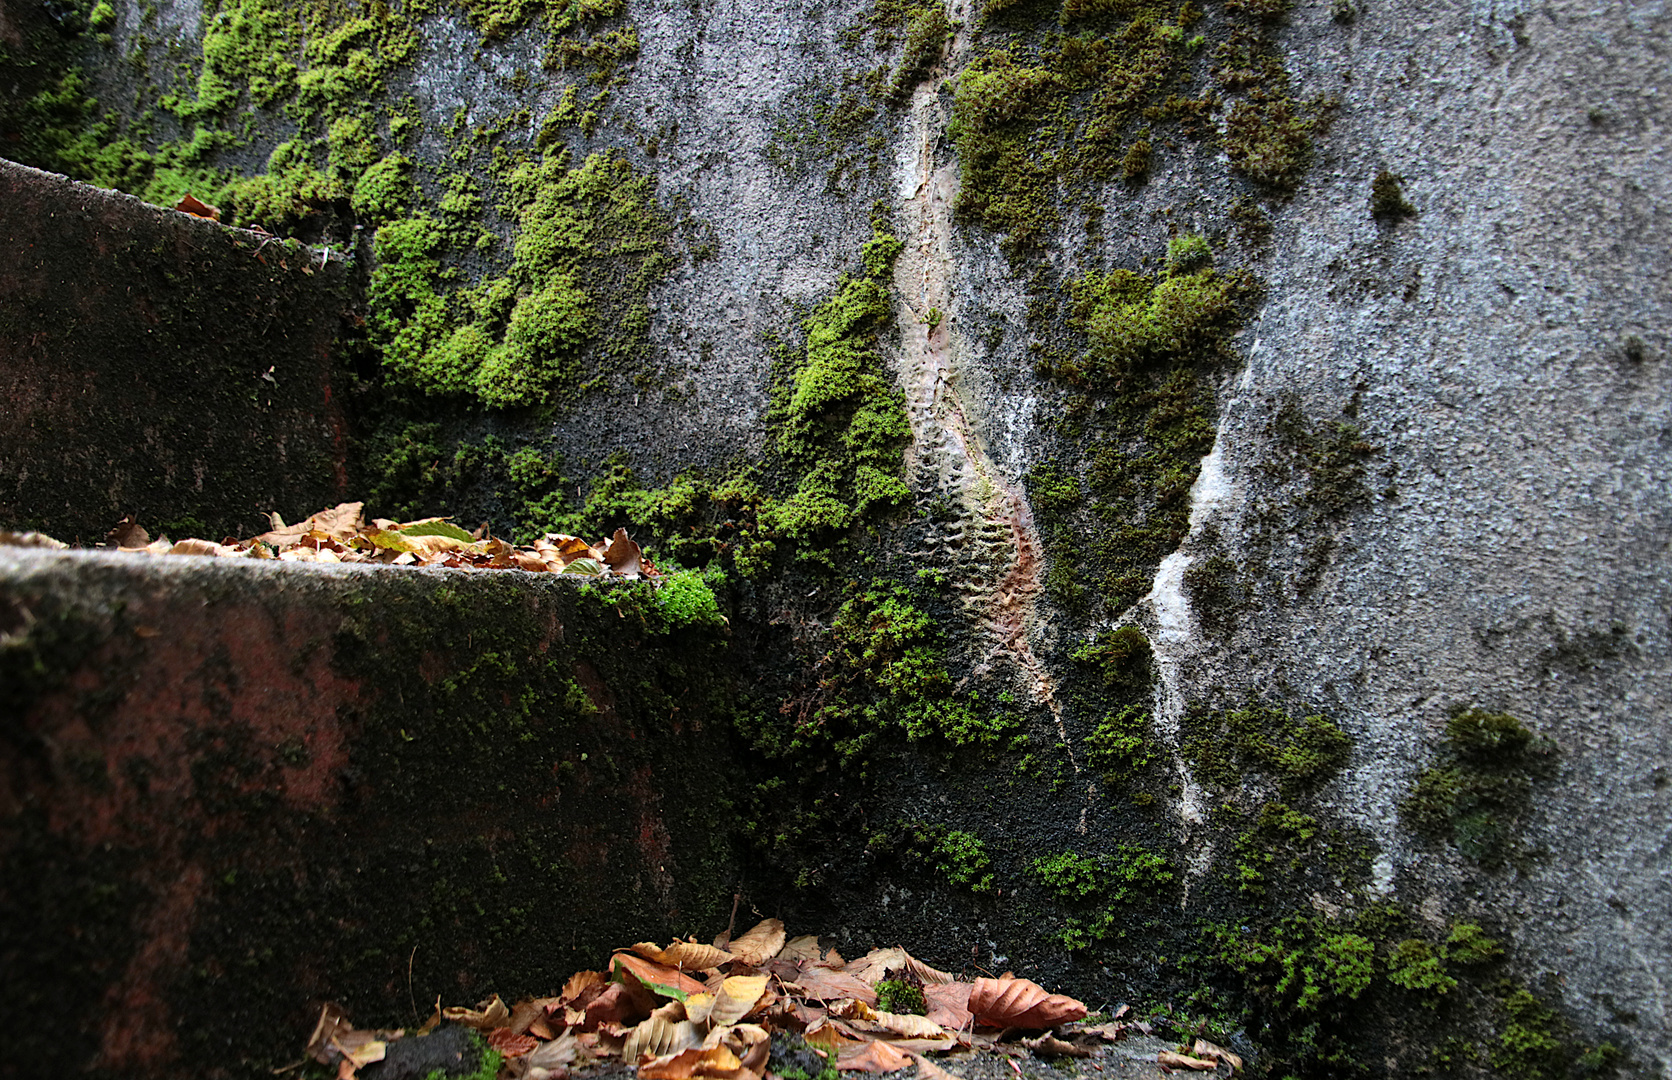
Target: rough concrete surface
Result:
[1502, 538]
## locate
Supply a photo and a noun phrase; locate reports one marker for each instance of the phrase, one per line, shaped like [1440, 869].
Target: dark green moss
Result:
[1387, 199]
[899, 996]
[1300, 754]
[1480, 792]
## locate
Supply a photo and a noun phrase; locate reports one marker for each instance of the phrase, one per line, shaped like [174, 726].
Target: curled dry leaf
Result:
[875, 965]
[1050, 1046]
[799, 949]
[1213, 1052]
[623, 555]
[694, 1062]
[949, 1005]
[761, 943]
[526, 1011]
[852, 1009]
[509, 1043]
[1183, 1061]
[30, 539]
[197, 208]
[659, 978]
[878, 1057]
[659, 1036]
[332, 1022]
[908, 1025]
[738, 994]
[1020, 1003]
[685, 955]
[489, 1014]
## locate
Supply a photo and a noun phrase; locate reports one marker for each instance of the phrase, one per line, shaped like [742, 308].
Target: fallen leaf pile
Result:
[717, 1012]
[342, 535]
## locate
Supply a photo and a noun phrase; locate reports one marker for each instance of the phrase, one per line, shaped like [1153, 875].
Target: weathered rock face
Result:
[1256, 630]
[234, 790]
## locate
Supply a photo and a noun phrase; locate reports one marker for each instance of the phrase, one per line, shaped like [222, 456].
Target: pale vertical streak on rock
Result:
[994, 542]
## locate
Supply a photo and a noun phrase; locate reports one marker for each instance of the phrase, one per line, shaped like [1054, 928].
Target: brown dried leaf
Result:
[659, 1036]
[511, 1044]
[762, 942]
[1212, 1052]
[738, 994]
[359, 1048]
[908, 1025]
[30, 539]
[1050, 1046]
[876, 1057]
[949, 1005]
[660, 978]
[875, 965]
[581, 988]
[487, 1015]
[623, 555]
[685, 955]
[526, 1011]
[618, 1004]
[434, 1021]
[1020, 1003]
[852, 1009]
[196, 208]
[1181, 1061]
[686, 1064]
[928, 1070]
[819, 983]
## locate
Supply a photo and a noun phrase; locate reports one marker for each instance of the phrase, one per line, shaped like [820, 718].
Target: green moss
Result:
[926, 34]
[962, 858]
[686, 599]
[1300, 754]
[1387, 199]
[1415, 965]
[102, 18]
[1122, 746]
[899, 996]
[1478, 794]
[1468, 945]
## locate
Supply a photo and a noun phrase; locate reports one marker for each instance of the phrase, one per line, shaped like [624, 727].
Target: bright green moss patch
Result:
[1415, 965]
[841, 425]
[1299, 753]
[589, 248]
[960, 856]
[899, 996]
[1479, 794]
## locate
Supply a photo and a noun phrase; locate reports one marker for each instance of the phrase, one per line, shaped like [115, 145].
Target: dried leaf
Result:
[30, 539]
[435, 527]
[623, 557]
[582, 987]
[1020, 1003]
[618, 1004]
[127, 534]
[698, 1006]
[928, 1070]
[332, 1022]
[489, 1014]
[685, 955]
[1181, 1061]
[434, 1021]
[853, 1009]
[694, 1062]
[803, 948]
[509, 1043]
[359, 1048]
[659, 1036]
[1212, 1052]
[192, 206]
[908, 1025]
[1050, 1046]
[762, 942]
[557, 1054]
[818, 983]
[660, 978]
[737, 996]
[949, 1005]
[194, 547]
[526, 1011]
[1114, 1031]
[876, 1057]
[875, 965]
[584, 567]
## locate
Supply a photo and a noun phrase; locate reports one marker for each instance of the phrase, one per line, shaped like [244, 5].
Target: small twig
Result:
[409, 994]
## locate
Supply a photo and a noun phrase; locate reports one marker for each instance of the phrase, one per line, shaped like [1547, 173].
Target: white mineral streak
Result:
[991, 538]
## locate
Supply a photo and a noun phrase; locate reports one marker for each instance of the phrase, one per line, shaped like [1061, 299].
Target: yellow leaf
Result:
[490, 1014]
[737, 996]
[658, 1037]
[760, 944]
[685, 955]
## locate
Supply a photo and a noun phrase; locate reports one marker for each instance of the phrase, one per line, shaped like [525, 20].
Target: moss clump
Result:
[927, 29]
[1217, 593]
[1116, 884]
[1481, 791]
[959, 856]
[1121, 746]
[1467, 944]
[793, 1059]
[1387, 199]
[899, 996]
[840, 426]
[1415, 965]
[589, 248]
[1300, 754]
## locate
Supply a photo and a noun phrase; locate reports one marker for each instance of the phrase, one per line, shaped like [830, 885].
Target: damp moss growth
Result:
[575, 296]
[1299, 754]
[1387, 199]
[1478, 796]
[1105, 890]
[900, 996]
[841, 426]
